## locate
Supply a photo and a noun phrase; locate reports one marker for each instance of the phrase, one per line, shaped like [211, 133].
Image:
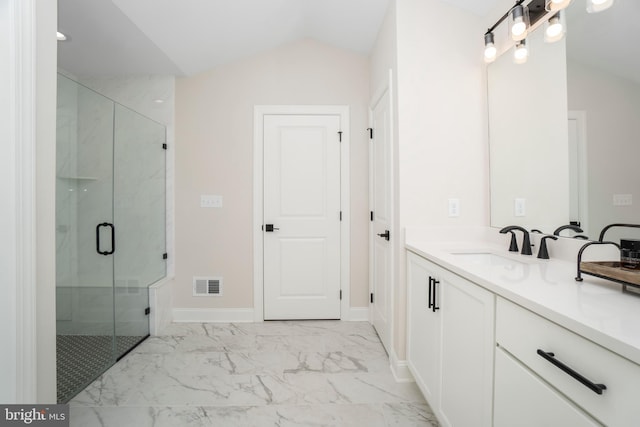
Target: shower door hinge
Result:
[165, 256]
[340, 136]
[164, 146]
[370, 133]
[147, 310]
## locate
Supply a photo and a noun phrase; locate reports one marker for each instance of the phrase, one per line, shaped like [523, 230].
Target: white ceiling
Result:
[608, 40]
[185, 37]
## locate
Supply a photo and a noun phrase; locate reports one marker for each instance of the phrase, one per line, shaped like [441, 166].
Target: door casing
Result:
[258, 198]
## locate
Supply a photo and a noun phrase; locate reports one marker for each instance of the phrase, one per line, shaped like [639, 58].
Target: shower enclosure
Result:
[110, 231]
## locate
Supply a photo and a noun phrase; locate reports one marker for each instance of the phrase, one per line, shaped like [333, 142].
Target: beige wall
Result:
[214, 140]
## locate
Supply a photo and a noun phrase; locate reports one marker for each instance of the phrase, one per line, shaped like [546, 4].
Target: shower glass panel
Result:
[110, 231]
[139, 213]
[84, 278]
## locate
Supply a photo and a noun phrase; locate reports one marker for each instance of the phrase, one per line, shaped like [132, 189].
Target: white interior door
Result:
[301, 217]
[382, 203]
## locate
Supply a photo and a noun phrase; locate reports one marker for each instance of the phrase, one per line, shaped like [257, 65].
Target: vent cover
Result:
[207, 286]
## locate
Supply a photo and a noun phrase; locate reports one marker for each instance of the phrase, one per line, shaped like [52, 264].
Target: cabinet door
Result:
[467, 312]
[522, 399]
[423, 329]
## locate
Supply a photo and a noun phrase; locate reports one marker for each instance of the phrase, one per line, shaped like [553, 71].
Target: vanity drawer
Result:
[525, 335]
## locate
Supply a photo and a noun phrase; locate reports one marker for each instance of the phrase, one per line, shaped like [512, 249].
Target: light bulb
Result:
[518, 23]
[490, 50]
[554, 30]
[521, 52]
[61, 37]
[490, 53]
[594, 6]
[551, 5]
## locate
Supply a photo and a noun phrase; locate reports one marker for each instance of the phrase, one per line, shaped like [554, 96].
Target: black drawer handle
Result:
[550, 357]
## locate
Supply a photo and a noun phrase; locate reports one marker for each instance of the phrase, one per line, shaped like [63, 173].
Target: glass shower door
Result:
[84, 218]
[139, 214]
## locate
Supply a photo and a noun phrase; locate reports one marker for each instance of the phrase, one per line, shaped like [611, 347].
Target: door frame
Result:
[580, 118]
[385, 87]
[258, 198]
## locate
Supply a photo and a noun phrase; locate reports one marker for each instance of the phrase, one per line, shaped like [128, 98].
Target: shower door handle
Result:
[113, 238]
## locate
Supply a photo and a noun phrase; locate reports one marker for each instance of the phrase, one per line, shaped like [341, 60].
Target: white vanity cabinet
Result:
[451, 343]
[552, 376]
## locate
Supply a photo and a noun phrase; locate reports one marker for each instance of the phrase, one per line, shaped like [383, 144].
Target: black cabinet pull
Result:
[550, 357]
[430, 301]
[113, 238]
[434, 307]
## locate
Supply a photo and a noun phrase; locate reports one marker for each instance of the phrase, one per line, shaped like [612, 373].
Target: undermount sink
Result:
[486, 258]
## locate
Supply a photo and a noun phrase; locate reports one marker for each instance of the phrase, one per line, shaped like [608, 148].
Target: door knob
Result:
[269, 228]
[385, 235]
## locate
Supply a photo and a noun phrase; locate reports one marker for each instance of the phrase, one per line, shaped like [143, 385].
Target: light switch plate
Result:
[520, 207]
[454, 207]
[210, 201]
[622, 200]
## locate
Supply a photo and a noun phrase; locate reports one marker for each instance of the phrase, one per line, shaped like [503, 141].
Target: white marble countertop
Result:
[595, 308]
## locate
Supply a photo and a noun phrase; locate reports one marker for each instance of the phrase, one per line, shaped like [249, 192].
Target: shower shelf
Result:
[79, 178]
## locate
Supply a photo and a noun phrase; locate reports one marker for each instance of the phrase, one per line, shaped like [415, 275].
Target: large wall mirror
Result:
[564, 127]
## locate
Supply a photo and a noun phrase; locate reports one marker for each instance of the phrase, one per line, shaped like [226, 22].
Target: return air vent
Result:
[207, 286]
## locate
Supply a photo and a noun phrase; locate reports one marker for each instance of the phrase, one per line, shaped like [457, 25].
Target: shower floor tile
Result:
[80, 358]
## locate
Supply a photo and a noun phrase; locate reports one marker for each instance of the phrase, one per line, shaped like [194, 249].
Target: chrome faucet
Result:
[526, 243]
[565, 227]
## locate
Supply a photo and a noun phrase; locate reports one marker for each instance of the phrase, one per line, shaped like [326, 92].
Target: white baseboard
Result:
[213, 315]
[400, 369]
[358, 314]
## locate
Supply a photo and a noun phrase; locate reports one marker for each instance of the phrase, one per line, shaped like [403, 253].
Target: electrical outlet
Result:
[210, 201]
[622, 200]
[454, 207]
[520, 207]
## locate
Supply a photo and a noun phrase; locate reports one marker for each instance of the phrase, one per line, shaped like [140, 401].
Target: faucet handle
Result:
[543, 253]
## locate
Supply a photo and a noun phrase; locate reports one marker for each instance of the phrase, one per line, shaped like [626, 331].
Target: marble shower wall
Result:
[142, 94]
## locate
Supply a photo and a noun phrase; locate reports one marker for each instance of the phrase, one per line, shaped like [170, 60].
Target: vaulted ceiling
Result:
[185, 37]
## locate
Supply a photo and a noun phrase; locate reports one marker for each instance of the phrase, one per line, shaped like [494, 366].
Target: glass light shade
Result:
[61, 37]
[594, 6]
[521, 52]
[518, 22]
[490, 51]
[554, 28]
[551, 5]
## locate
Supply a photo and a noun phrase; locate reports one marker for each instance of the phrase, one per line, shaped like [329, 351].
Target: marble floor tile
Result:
[299, 373]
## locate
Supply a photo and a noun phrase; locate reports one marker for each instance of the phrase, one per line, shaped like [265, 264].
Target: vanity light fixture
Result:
[594, 6]
[521, 52]
[551, 5]
[554, 28]
[518, 22]
[490, 51]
